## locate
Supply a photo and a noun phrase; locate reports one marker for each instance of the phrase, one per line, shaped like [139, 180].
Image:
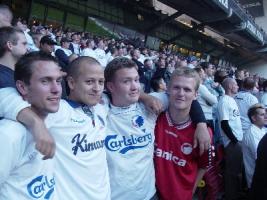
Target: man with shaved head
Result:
[231, 129]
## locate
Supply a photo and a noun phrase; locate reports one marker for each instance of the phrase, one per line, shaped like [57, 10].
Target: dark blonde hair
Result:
[188, 73]
[253, 110]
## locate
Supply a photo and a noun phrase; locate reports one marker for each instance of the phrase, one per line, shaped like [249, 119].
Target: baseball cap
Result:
[47, 40]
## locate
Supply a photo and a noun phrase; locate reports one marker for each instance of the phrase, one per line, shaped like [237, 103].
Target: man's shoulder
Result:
[12, 130]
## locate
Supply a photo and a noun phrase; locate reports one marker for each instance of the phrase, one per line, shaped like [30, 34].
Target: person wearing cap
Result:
[63, 52]
[47, 44]
[192, 62]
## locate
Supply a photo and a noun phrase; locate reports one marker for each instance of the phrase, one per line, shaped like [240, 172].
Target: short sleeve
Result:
[11, 103]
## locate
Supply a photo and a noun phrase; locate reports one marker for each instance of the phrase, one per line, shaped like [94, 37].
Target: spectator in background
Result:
[100, 53]
[182, 63]
[89, 49]
[231, 130]
[13, 45]
[20, 25]
[149, 71]
[6, 15]
[47, 44]
[36, 39]
[74, 46]
[205, 98]
[252, 137]
[158, 84]
[239, 77]
[192, 62]
[63, 52]
[245, 99]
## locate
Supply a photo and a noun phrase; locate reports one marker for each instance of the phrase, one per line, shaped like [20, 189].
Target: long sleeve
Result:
[207, 95]
[228, 131]
[196, 113]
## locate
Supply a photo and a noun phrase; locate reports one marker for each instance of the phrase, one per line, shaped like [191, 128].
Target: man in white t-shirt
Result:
[100, 53]
[24, 174]
[231, 129]
[89, 50]
[251, 139]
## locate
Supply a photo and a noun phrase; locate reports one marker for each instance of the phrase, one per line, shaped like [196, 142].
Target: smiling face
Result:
[182, 91]
[88, 85]
[44, 90]
[125, 87]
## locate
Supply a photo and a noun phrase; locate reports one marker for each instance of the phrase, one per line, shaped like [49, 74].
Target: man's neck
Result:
[8, 62]
[259, 126]
[179, 116]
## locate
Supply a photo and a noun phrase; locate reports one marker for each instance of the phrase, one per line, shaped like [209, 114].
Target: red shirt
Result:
[176, 162]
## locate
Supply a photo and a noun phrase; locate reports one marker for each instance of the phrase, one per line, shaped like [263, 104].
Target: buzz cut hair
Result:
[75, 66]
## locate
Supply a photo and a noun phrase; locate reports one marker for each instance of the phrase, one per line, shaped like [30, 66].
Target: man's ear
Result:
[9, 45]
[71, 82]
[22, 88]
[196, 93]
[110, 86]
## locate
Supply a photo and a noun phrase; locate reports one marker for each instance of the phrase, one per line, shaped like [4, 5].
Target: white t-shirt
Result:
[228, 110]
[101, 57]
[76, 48]
[130, 146]
[244, 101]
[251, 139]
[89, 52]
[23, 173]
[80, 159]
[206, 100]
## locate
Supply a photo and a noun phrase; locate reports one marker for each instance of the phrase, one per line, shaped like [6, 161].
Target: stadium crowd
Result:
[90, 161]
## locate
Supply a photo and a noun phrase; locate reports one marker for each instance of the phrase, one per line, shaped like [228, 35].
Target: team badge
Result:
[186, 148]
[138, 121]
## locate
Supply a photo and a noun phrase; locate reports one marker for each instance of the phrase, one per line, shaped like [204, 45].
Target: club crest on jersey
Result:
[138, 121]
[236, 113]
[41, 187]
[186, 148]
[124, 144]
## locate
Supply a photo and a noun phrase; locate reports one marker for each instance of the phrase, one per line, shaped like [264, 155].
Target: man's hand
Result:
[45, 143]
[202, 138]
[151, 103]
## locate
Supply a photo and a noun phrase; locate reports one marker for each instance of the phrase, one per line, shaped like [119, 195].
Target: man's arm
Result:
[13, 107]
[202, 136]
[152, 103]
[45, 143]
[228, 131]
